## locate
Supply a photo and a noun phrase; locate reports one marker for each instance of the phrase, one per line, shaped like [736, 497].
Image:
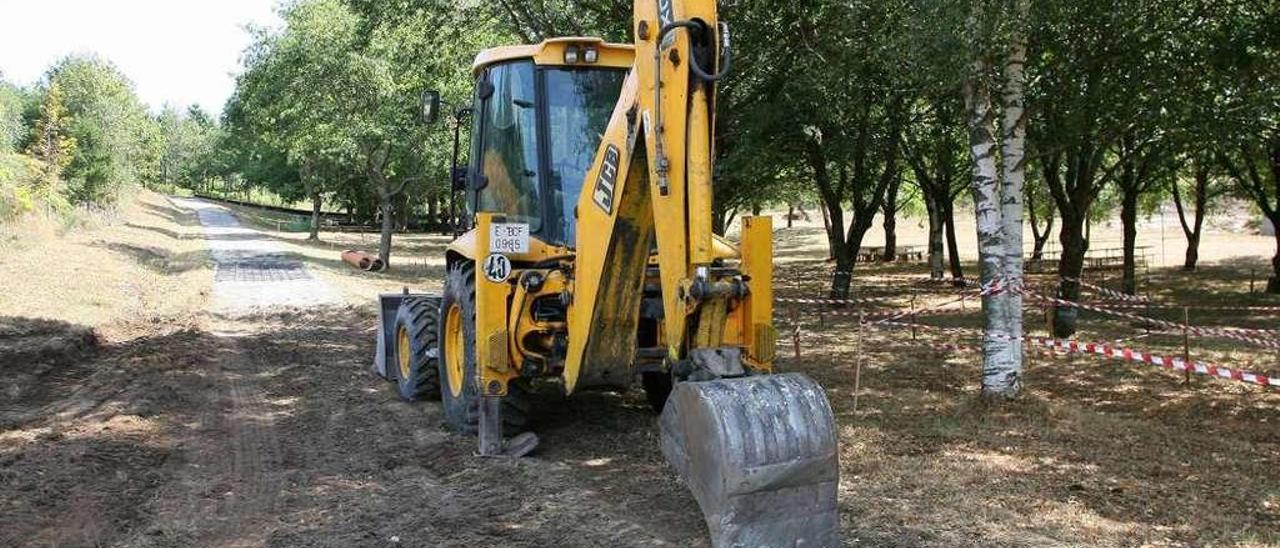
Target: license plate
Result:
[509, 238]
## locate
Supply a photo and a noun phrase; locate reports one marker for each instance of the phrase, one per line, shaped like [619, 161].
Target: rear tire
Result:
[416, 349]
[460, 392]
[657, 387]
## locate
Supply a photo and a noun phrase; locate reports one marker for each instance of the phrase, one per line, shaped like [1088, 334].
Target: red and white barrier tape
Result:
[832, 301]
[1228, 308]
[1252, 336]
[1106, 350]
[1117, 295]
[1174, 363]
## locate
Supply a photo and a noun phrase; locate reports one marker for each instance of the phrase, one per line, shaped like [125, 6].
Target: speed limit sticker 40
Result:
[509, 238]
[497, 268]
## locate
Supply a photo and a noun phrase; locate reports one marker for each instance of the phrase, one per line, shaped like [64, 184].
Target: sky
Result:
[179, 52]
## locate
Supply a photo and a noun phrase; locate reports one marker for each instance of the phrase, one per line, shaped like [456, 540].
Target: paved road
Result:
[251, 269]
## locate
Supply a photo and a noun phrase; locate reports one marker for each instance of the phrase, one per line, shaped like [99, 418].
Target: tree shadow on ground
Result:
[1095, 452]
[87, 430]
[162, 261]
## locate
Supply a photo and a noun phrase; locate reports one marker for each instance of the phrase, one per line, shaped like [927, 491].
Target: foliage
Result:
[108, 123]
[14, 102]
[18, 174]
[52, 147]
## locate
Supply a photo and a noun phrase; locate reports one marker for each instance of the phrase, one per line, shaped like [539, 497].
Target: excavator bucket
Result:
[760, 455]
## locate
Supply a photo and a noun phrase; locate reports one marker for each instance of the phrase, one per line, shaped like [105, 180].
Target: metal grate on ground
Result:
[260, 270]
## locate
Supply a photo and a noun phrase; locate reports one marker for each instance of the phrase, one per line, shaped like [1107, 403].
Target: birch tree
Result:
[998, 176]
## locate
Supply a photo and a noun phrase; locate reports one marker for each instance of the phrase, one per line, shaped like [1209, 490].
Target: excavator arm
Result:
[758, 450]
[635, 283]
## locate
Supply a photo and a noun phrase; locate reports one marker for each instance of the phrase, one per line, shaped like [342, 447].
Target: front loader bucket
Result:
[760, 455]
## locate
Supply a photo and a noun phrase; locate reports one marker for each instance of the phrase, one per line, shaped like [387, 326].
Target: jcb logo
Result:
[605, 181]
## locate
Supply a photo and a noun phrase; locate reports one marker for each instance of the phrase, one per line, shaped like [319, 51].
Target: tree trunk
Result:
[791, 213]
[1038, 237]
[1192, 230]
[376, 159]
[433, 210]
[719, 218]
[405, 209]
[831, 242]
[890, 221]
[316, 202]
[844, 257]
[998, 365]
[307, 173]
[1070, 267]
[936, 271]
[1002, 379]
[953, 247]
[842, 279]
[387, 209]
[1273, 284]
[1129, 220]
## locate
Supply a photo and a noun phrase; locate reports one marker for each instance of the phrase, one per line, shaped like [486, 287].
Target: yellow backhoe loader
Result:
[590, 259]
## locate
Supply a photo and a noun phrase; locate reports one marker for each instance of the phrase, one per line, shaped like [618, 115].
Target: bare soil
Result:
[269, 429]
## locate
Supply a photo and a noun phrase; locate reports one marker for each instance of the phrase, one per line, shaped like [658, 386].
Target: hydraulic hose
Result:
[726, 55]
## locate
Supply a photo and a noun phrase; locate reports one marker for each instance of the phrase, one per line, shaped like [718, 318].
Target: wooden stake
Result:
[857, 367]
[795, 331]
[1146, 326]
[1186, 346]
[913, 317]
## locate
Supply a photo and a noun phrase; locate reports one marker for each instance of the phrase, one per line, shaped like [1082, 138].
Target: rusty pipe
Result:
[359, 259]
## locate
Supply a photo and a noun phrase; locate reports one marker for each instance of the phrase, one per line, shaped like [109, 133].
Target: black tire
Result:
[418, 318]
[657, 386]
[462, 411]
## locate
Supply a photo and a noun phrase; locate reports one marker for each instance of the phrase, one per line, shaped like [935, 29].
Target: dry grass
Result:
[144, 263]
[1095, 452]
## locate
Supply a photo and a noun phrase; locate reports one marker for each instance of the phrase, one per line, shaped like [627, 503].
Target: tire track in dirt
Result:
[294, 449]
[521, 502]
[255, 450]
[225, 477]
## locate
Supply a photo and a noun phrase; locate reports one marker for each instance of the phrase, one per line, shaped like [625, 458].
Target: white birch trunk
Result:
[999, 358]
[1006, 380]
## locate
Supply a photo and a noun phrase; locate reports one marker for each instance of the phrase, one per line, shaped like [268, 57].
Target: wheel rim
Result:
[403, 352]
[453, 349]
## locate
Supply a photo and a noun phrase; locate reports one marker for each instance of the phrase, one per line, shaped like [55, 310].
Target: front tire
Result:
[460, 391]
[416, 349]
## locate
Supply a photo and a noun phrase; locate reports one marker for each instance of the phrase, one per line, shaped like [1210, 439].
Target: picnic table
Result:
[904, 253]
[1106, 258]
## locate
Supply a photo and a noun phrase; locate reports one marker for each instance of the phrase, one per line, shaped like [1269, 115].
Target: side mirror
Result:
[458, 178]
[430, 106]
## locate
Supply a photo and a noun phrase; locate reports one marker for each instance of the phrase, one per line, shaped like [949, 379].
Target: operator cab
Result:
[539, 113]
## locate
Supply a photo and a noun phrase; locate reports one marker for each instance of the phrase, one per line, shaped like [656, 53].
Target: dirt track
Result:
[270, 430]
[255, 425]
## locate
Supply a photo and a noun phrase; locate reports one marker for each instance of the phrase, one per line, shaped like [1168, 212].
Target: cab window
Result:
[508, 146]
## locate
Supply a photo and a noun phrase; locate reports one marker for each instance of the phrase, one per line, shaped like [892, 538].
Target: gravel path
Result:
[252, 270]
